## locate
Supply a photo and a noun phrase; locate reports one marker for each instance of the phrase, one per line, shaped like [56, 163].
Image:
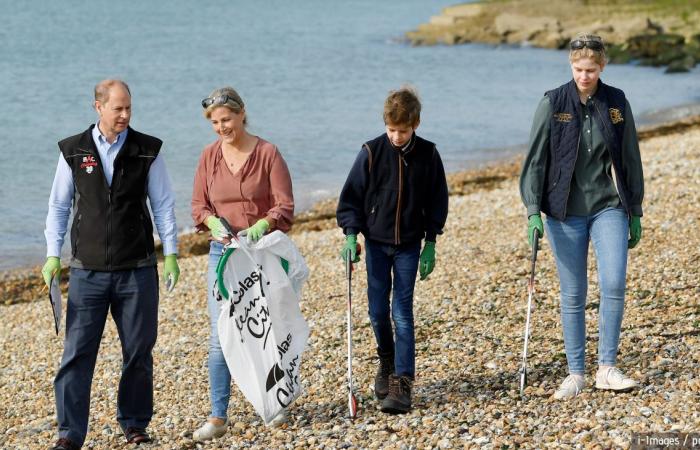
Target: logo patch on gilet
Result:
[616, 116]
[563, 117]
[88, 163]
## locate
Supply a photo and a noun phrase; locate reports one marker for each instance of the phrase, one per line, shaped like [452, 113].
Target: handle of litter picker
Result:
[226, 225]
[348, 259]
[533, 259]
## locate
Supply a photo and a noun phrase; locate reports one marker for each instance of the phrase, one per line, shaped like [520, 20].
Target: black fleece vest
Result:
[565, 132]
[398, 190]
[112, 228]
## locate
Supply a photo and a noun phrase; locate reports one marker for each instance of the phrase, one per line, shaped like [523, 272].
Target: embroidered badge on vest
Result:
[563, 117]
[616, 116]
[88, 163]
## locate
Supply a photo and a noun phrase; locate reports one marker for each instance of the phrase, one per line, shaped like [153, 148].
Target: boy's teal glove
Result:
[51, 266]
[350, 244]
[171, 271]
[635, 231]
[257, 231]
[218, 231]
[534, 222]
[427, 260]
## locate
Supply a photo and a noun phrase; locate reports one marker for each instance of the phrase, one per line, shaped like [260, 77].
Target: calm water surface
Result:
[313, 74]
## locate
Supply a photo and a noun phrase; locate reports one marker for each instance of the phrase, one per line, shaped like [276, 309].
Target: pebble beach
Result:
[469, 318]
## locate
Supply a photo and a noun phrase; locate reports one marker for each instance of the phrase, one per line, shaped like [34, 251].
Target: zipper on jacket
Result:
[568, 188]
[397, 225]
[108, 250]
[77, 236]
[612, 160]
[142, 218]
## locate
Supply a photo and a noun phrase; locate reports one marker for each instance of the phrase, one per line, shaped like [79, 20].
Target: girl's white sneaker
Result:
[613, 379]
[570, 387]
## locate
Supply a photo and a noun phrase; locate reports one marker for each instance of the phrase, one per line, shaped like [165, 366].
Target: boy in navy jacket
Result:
[396, 196]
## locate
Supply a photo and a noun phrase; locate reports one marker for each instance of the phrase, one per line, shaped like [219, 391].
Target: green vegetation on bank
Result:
[651, 32]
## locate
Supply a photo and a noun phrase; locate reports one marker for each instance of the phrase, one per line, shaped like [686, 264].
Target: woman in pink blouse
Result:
[244, 179]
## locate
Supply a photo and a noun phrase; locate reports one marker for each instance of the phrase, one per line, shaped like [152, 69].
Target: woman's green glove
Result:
[350, 244]
[51, 266]
[534, 222]
[171, 271]
[427, 260]
[218, 231]
[257, 231]
[635, 231]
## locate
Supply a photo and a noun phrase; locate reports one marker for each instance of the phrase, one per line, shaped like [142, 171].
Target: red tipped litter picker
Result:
[352, 400]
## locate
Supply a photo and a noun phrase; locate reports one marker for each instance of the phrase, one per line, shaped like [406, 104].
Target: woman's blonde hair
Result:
[579, 48]
[227, 97]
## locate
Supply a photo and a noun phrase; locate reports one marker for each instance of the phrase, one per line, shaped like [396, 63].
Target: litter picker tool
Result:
[352, 401]
[530, 293]
[55, 299]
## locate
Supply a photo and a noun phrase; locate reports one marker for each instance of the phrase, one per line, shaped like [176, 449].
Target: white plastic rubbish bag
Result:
[261, 329]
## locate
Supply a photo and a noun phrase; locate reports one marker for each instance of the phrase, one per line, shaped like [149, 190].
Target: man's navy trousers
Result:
[132, 297]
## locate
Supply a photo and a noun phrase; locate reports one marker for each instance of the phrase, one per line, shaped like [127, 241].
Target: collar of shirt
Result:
[408, 145]
[102, 143]
[108, 152]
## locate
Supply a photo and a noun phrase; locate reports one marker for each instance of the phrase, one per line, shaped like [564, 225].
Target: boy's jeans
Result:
[219, 375]
[608, 230]
[403, 260]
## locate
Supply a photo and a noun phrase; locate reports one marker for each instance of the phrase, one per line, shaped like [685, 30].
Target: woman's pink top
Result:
[261, 188]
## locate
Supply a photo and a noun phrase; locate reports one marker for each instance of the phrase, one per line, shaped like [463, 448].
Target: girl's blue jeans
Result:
[608, 231]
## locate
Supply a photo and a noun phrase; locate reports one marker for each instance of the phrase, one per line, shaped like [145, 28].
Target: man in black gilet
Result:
[106, 174]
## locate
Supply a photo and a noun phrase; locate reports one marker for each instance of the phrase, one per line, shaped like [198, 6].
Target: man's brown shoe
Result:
[137, 436]
[65, 444]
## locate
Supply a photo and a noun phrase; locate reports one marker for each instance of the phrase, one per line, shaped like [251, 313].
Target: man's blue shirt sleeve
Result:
[162, 199]
[60, 203]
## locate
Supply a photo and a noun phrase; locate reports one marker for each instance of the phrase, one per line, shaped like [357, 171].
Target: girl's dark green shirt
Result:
[592, 185]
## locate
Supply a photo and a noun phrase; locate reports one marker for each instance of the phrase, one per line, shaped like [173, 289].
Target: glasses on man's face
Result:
[218, 100]
[578, 44]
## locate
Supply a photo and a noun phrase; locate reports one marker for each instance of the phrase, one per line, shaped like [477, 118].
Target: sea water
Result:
[313, 75]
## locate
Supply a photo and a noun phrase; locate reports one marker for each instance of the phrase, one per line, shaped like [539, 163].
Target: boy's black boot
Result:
[399, 399]
[381, 380]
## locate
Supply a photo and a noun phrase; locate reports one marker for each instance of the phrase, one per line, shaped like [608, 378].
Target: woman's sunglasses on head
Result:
[218, 100]
[578, 44]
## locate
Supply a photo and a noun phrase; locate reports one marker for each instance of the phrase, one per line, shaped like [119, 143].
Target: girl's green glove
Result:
[635, 231]
[534, 222]
[427, 260]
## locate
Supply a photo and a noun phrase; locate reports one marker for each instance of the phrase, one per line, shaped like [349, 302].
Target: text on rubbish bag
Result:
[253, 315]
[284, 393]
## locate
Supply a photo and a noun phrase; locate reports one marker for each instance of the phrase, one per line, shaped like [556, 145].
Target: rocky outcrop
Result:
[645, 35]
